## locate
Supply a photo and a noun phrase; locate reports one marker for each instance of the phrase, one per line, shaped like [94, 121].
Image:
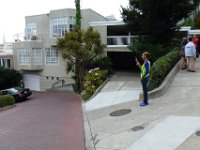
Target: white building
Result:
[6, 55]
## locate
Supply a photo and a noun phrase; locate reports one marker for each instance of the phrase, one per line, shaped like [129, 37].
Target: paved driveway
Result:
[122, 87]
[48, 121]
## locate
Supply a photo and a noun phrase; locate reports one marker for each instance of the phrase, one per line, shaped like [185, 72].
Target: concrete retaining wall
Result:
[164, 86]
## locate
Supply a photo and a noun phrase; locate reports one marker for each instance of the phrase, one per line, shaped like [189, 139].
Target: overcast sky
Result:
[12, 12]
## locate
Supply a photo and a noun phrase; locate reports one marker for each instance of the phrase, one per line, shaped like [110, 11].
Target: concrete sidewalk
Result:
[171, 119]
[122, 87]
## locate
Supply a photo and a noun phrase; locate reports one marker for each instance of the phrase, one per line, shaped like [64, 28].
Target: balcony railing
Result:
[21, 37]
[120, 41]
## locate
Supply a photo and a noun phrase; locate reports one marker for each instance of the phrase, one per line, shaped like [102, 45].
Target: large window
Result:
[24, 56]
[51, 55]
[59, 26]
[31, 30]
[72, 23]
[37, 56]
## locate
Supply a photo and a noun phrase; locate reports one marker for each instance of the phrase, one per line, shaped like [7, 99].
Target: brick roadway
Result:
[48, 121]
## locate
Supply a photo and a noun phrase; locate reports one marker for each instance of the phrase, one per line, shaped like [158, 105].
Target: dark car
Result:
[20, 94]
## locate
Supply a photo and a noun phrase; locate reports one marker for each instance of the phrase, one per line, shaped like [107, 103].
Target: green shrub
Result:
[6, 100]
[161, 68]
[9, 78]
[188, 21]
[104, 63]
[93, 79]
[86, 96]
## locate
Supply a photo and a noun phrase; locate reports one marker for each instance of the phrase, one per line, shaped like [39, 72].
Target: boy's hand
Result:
[137, 62]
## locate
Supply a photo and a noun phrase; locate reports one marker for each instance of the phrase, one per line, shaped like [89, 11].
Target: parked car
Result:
[20, 94]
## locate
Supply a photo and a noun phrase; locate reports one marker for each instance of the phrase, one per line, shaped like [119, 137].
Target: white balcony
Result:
[21, 37]
[120, 41]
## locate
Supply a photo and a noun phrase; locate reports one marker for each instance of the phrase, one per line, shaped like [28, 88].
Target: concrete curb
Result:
[164, 86]
[86, 140]
[86, 130]
[52, 91]
[7, 107]
[99, 89]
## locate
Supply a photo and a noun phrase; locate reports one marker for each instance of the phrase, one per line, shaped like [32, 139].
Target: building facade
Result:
[116, 35]
[35, 52]
[6, 55]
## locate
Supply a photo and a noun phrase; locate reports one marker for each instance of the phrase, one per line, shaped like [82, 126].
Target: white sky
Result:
[12, 12]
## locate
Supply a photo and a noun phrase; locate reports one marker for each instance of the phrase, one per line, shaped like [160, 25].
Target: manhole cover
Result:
[120, 112]
[138, 128]
[198, 133]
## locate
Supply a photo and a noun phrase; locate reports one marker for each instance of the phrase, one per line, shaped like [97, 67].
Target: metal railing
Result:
[120, 40]
[21, 37]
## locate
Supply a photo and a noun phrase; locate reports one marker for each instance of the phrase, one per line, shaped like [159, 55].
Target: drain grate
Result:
[138, 128]
[120, 112]
[198, 133]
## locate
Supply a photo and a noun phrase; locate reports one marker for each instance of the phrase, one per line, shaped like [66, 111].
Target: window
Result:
[5, 63]
[59, 26]
[24, 56]
[37, 56]
[31, 30]
[112, 41]
[51, 55]
[72, 23]
[1, 62]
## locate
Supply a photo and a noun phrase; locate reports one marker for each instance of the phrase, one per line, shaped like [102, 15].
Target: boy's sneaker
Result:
[143, 104]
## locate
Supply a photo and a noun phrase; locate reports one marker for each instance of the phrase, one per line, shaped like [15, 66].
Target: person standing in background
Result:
[190, 54]
[183, 63]
[22, 84]
[145, 74]
[196, 41]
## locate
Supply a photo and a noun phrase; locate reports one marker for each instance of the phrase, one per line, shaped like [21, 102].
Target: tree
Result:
[156, 18]
[196, 3]
[9, 78]
[197, 21]
[79, 48]
[78, 14]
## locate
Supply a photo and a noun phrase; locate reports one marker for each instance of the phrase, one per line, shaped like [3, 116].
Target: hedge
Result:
[161, 68]
[6, 100]
[9, 78]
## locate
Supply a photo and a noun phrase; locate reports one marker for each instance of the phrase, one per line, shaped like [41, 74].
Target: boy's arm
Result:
[138, 63]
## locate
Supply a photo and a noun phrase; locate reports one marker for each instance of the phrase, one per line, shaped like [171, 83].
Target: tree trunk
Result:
[82, 73]
[77, 78]
[78, 14]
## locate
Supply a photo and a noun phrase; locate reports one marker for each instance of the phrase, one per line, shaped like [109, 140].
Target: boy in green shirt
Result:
[145, 73]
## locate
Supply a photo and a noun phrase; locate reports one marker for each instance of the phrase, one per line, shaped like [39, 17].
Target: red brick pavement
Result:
[48, 121]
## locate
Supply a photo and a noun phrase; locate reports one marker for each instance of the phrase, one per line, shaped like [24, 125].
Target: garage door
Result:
[32, 82]
[123, 61]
